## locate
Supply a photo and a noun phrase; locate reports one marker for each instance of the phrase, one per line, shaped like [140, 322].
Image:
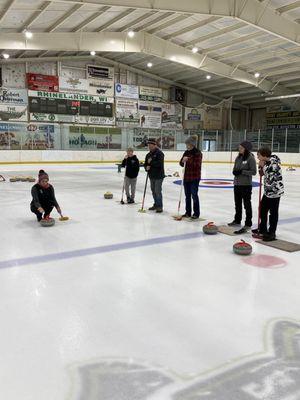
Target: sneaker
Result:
[153, 208]
[130, 201]
[185, 216]
[255, 231]
[194, 218]
[159, 210]
[244, 229]
[269, 237]
[234, 223]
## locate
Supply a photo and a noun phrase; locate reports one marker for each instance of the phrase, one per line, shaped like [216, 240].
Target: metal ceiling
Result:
[225, 36]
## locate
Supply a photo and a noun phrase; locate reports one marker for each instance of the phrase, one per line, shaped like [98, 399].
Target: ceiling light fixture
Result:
[287, 96]
[92, 53]
[131, 34]
[173, 58]
[257, 74]
[5, 55]
[28, 34]
[149, 65]
[195, 49]
[208, 77]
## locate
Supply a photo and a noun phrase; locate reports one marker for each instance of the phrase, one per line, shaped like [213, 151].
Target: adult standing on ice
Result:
[244, 169]
[192, 159]
[154, 165]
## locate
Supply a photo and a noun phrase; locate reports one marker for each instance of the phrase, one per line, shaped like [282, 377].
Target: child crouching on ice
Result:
[43, 197]
[132, 168]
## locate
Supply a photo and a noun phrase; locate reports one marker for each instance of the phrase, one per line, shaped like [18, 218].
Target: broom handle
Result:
[144, 195]
[259, 204]
[181, 187]
[123, 189]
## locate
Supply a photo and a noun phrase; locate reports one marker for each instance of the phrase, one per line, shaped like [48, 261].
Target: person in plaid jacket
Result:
[192, 159]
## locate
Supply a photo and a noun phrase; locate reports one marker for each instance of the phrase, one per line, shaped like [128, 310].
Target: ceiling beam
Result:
[64, 17]
[171, 22]
[191, 28]
[142, 42]
[288, 7]
[35, 16]
[155, 21]
[217, 33]
[252, 12]
[112, 21]
[233, 42]
[136, 21]
[6, 9]
[90, 19]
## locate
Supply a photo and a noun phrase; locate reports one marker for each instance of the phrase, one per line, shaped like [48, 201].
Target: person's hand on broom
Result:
[184, 160]
[41, 210]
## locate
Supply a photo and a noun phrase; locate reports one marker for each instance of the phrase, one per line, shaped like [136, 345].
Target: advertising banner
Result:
[90, 138]
[48, 83]
[150, 115]
[95, 71]
[164, 138]
[13, 113]
[150, 93]
[73, 85]
[101, 80]
[127, 113]
[14, 97]
[127, 91]
[171, 116]
[71, 96]
[28, 137]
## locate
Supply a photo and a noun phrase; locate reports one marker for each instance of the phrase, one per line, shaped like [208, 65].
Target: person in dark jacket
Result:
[192, 159]
[244, 169]
[132, 168]
[154, 165]
[43, 197]
[270, 169]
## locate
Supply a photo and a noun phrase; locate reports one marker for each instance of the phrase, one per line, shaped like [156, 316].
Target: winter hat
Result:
[192, 140]
[43, 175]
[247, 145]
[152, 141]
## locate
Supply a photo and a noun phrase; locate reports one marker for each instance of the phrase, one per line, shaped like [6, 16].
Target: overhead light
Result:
[257, 74]
[208, 77]
[195, 49]
[287, 96]
[149, 65]
[92, 53]
[5, 55]
[173, 58]
[28, 34]
[131, 34]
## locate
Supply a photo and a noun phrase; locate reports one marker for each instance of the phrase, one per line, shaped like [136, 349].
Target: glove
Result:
[237, 172]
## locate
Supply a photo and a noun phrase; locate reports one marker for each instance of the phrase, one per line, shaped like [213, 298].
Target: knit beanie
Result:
[152, 141]
[192, 140]
[247, 145]
[43, 175]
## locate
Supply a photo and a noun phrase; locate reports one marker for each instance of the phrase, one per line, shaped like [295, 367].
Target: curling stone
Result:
[176, 174]
[30, 179]
[23, 179]
[210, 229]
[108, 195]
[47, 222]
[13, 179]
[242, 248]
[291, 168]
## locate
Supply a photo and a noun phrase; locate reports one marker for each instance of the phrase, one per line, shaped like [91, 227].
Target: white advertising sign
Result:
[127, 91]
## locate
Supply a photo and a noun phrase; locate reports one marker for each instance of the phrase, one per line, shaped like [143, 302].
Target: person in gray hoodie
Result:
[244, 169]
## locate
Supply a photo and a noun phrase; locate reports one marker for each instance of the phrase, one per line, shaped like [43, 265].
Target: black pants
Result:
[46, 208]
[269, 205]
[191, 192]
[242, 194]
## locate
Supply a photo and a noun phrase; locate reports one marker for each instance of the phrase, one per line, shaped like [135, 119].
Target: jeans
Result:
[191, 192]
[156, 188]
[269, 205]
[242, 194]
[39, 215]
[130, 183]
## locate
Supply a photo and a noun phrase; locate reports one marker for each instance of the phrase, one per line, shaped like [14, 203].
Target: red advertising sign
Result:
[48, 83]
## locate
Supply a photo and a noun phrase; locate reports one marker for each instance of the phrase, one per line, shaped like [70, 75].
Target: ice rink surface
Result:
[119, 305]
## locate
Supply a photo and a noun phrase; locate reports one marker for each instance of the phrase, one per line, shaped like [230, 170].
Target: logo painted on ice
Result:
[272, 375]
[217, 183]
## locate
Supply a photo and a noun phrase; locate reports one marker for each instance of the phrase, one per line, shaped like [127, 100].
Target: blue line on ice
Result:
[18, 262]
